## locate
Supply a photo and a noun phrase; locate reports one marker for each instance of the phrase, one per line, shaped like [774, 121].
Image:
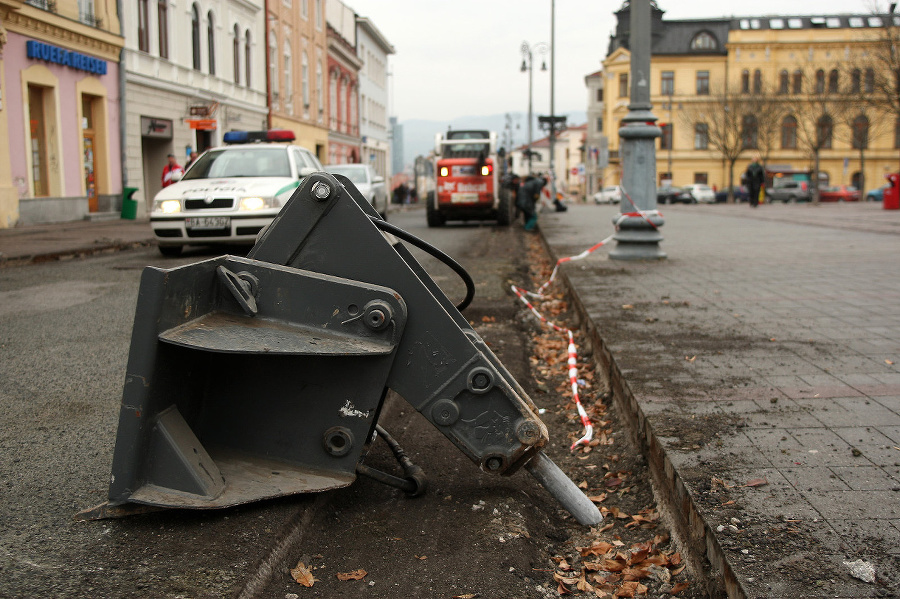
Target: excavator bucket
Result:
[257, 377]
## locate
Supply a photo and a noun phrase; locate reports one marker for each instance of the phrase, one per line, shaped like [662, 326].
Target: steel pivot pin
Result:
[321, 191]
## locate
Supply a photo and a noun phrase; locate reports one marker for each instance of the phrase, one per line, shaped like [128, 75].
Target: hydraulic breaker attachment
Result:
[264, 376]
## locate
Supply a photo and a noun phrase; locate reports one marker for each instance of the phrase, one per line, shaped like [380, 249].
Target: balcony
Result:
[48, 5]
[88, 18]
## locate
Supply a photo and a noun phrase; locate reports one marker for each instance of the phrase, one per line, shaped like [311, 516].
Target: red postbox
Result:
[892, 192]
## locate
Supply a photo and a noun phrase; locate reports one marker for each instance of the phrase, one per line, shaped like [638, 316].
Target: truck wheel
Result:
[170, 251]
[433, 217]
[504, 211]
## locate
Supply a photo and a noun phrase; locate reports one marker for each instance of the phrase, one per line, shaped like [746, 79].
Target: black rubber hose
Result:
[430, 249]
[414, 482]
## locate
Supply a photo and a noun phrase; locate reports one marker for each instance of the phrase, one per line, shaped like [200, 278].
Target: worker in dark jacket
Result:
[529, 196]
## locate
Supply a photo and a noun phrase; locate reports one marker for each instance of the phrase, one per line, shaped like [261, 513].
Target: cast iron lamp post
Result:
[638, 237]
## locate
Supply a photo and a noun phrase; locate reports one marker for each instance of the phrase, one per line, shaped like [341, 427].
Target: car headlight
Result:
[168, 206]
[254, 203]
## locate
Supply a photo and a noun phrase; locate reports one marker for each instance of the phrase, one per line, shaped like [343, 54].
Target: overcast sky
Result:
[462, 57]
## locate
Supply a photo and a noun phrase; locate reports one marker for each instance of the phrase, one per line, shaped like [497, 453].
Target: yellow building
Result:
[793, 68]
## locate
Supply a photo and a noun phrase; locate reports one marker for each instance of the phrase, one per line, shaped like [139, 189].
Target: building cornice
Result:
[366, 24]
[48, 27]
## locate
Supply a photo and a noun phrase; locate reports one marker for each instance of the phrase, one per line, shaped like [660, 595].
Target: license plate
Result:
[208, 222]
[462, 171]
[464, 198]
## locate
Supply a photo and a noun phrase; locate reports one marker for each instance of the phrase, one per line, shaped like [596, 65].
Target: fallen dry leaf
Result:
[627, 307]
[756, 482]
[421, 557]
[678, 588]
[889, 362]
[466, 596]
[302, 575]
[354, 575]
[691, 359]
[598, 498]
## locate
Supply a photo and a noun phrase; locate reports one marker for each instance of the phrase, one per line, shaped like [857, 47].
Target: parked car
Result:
[839, 193]
[669, 194]
[611, 194]
[877, 194]
[740, 194]
[701, 192]
[369, 183]
[788, 190]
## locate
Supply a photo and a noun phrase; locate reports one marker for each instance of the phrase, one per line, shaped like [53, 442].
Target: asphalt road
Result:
[64, 337]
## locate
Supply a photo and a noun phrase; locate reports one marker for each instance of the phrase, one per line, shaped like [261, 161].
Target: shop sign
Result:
[202, 124]
[54, 54]
[160, 128]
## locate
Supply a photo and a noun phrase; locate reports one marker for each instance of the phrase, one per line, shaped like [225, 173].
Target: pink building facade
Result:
[343, 105]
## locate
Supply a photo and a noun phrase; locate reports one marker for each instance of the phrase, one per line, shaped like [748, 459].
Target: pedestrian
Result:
[191, 159]
[171, 172]
[528, 198]
[755, 177]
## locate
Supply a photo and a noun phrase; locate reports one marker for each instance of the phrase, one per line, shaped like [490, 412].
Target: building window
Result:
[320, 12]
[701, 178]
[211, 38]
[599, 124]
[784, 82]
[745, 81]
[897, 134]
[789, 133]
[40, 183]
[667, 83]
[820, 81]
[236, 45]
[143, 27]
[623, 85]
[332, 99]
[824, 130]
[833, 83]
[320, 89]
[162, 16]
[860, 133]
[704, 41]
[288, 75]
[798, 82]
[304, 9]
[600, 95]
[305, 79]
[701, 136]
[749, 132]
[247, 59]
[273, 66]
[665, 140]
[870, 81]
[195, 36]
[855, 81]
[757, 81]
[702, 83]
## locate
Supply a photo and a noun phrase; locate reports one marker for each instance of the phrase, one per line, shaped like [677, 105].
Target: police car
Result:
[231, 193]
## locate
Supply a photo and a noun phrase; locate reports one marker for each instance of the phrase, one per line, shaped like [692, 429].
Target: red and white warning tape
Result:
[524, 294]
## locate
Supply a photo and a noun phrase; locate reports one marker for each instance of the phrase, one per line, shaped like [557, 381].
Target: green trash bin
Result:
[129, 204]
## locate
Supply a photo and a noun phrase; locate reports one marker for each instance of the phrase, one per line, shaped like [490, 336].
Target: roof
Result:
[671, 37]
[367, 24]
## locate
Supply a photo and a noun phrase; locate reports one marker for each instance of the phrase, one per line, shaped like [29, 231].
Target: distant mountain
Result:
[418, 135]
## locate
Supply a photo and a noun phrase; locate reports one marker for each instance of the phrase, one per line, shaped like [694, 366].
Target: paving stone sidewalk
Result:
[21, 245]
[761, 361]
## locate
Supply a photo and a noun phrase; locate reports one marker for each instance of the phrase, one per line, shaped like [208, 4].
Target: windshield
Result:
[468, 150]
[230, 162]
[356, 173]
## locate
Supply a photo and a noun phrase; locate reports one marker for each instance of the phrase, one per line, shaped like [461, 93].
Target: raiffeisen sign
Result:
[75, 60]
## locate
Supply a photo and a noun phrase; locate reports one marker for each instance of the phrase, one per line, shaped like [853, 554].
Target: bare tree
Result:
[769, 110]
[878, 65]
[722, 112]
[821, 109]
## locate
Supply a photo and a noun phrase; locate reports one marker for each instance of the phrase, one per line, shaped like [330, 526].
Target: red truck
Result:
[467, 187]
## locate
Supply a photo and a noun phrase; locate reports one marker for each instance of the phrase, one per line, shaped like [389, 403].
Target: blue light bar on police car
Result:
[243, 137]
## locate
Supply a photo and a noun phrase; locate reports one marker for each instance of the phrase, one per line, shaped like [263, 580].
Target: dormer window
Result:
[704, 41]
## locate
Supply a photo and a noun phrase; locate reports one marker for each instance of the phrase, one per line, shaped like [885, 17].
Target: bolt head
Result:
[321, 191]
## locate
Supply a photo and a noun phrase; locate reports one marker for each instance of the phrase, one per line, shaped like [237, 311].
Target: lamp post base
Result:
[638, 239]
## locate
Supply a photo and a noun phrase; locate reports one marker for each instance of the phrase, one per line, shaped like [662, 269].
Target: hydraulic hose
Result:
[430, 249]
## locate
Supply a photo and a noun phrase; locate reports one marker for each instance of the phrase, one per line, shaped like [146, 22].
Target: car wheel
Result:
[792, 200]
[693, 200]
[870, 198]
[170, 251]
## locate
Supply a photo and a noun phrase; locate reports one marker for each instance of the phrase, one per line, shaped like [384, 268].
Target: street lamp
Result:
[527, 64]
